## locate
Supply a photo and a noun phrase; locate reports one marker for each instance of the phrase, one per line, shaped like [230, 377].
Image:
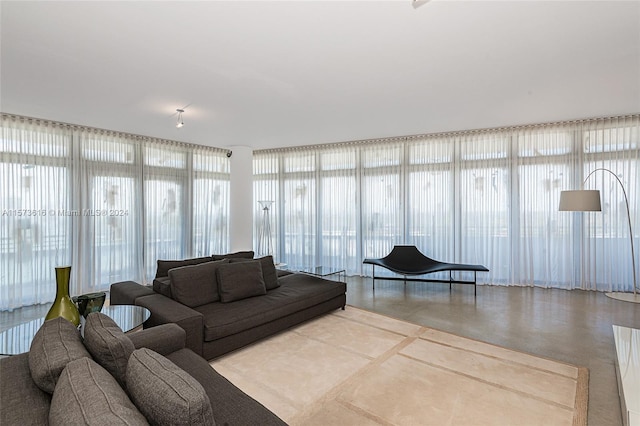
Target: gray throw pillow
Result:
[55, 344]
[108, 344]
[195, 285]
[240, 280]
[269, 273]
[86, 394]
[165, 393]
[165, 265]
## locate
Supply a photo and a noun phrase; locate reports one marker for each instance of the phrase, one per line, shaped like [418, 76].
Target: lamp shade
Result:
[585, 200]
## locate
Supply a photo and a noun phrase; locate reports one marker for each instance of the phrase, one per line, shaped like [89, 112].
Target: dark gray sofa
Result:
[24, 402]
[219, 327]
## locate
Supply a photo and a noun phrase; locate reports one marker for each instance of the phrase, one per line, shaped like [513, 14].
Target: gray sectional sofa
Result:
[225, 302]
[109, 378]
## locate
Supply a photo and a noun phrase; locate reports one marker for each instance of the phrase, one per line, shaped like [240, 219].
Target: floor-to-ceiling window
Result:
[35, 172]
[106, 203]
[488, 197]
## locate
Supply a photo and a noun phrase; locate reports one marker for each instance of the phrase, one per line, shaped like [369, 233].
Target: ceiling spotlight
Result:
[180, 122]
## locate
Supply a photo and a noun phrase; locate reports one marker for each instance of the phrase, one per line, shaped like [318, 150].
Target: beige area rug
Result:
[356, 367]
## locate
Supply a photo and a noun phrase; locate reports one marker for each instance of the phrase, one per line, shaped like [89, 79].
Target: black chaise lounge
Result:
[408, 260]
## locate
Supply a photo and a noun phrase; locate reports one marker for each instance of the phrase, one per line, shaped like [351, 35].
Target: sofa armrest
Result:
[165, 311]
[126, 292]
[21, 401]
[164, 339]
[283, 272]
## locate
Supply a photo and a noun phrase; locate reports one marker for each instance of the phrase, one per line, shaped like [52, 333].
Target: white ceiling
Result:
[283, 73]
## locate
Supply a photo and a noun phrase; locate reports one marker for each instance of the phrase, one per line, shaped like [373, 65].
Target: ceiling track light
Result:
[180, 122]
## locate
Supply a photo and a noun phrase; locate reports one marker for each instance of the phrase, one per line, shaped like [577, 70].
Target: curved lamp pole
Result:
[589, 200]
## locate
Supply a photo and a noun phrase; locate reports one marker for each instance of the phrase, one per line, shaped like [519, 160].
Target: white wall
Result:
[241, 199]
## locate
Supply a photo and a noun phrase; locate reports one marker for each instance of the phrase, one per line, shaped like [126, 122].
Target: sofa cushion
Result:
[237, 281]
[162, 285]
[195, 285]
[54, 345]
[108, 344]
[164, 393]
[126, 292]
[230, 405]
[165, 265]
[269, 273]
[87, 394]
[236, 255]
[296, 292]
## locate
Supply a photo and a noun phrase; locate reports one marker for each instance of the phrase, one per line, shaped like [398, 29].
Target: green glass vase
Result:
[63, 306]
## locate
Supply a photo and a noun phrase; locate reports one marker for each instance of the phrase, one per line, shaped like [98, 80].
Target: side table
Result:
[17, 340]
[325, 271]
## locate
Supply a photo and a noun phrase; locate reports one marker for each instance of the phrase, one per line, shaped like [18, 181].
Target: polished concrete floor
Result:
[570, 326]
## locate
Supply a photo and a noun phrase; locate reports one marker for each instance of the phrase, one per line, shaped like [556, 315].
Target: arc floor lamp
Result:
[586, 200]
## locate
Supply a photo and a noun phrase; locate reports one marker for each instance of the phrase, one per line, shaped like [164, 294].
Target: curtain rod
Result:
[449, 134]
[78, 127]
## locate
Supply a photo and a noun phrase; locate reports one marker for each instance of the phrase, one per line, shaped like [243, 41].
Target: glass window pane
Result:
[164, 157]
[484, 147]
[431, 152]
[304, 162]
[536, 144]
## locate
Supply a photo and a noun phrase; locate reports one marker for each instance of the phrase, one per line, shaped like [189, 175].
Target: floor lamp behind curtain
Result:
[589, 201]
[265, 247]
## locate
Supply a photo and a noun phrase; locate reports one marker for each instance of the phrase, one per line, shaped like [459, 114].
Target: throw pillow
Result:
[55, 344]
[165, 393]
[87, 394]
[236, 255]
[269, 273]
[108, 344]
[238, 281]
[195, 285]
[165, 265]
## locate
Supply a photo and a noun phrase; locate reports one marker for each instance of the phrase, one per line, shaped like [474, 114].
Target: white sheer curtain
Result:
[605, 259]
[108, 231]
[542, 253]
[35, 233]
[488, 197]
[210, 202]
[108, 204]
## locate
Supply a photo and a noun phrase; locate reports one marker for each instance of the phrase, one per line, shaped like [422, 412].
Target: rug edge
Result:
[578, 367]
[581, 406]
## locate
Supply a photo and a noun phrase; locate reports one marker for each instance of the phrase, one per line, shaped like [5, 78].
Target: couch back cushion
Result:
[162, 285]
[269, 273]
[195, 285]
[166, 394]
[87, 394]
[165, 265]
[55, 344]
[237, 255]
[108, 344]
[240, 280]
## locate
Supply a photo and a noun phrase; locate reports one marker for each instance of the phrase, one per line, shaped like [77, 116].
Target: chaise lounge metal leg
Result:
[475, 283]
[373, 278]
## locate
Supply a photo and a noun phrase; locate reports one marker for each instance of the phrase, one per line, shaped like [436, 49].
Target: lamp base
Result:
[625, 297]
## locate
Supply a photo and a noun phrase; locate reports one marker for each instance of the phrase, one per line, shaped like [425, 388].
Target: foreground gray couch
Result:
[225, 302]
[67, 380]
